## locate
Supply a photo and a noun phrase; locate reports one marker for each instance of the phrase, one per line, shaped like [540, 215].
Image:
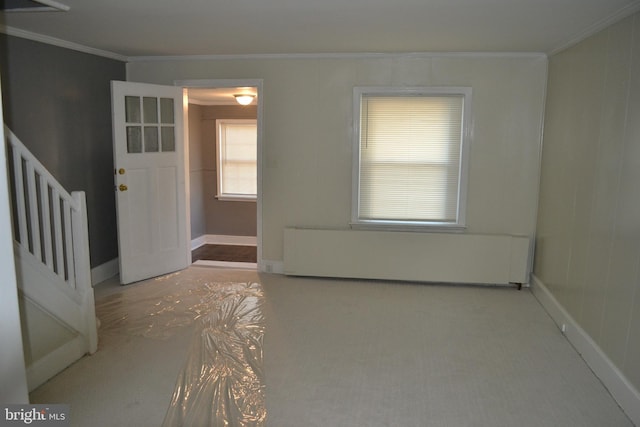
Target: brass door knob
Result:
[123, 187]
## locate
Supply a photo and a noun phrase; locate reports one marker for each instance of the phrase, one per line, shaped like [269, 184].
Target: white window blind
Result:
[410, 158]
[237, 159]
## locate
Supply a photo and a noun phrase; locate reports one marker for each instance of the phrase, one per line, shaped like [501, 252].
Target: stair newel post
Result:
[83, 267]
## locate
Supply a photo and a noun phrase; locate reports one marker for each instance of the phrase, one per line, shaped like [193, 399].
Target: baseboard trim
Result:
[53, 363]
[197, 242]
[218, 239]
[226, 264]
[613, 379]
[104, 271]
[267, 266]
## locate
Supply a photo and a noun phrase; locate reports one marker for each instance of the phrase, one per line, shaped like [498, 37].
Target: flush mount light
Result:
[244, 99]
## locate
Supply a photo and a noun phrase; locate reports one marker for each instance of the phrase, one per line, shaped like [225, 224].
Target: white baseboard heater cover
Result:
[388, 255]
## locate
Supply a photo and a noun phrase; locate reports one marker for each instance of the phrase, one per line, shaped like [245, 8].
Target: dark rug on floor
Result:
[225, 253]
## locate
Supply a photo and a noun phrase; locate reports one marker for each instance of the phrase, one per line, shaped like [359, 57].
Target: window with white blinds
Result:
[411, 156]
[237, 159]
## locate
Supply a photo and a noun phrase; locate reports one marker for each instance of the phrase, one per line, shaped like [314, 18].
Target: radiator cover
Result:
[389, 255]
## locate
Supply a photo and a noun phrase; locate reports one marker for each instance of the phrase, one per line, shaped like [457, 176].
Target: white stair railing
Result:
[51, 225]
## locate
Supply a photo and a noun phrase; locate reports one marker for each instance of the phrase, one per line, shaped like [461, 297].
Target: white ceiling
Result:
[132, 28]
[219, 96]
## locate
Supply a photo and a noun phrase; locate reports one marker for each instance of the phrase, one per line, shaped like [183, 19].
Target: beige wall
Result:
[307, 137]
[588, 234]
[208, 214]
[226, 218]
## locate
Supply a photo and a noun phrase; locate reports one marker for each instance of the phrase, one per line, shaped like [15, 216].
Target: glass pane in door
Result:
[132, 109]
[134, 139]
[151, 139]
[150, 107]
[166, 110]
[168, 138]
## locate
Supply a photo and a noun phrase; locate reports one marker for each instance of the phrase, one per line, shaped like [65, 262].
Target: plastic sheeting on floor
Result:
[222, 382]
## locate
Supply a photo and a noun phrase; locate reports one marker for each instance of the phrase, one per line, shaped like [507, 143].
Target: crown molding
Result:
[598, 26]
[16, 32]
[47, 6]
[355, 55]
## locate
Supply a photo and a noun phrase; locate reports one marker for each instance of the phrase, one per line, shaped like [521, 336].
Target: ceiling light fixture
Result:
[244, 99]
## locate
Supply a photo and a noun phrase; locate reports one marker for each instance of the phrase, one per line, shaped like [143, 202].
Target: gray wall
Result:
[588, 232]
[58, 102]
[228, 218]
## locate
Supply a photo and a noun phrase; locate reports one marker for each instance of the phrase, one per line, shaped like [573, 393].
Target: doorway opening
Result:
[225, 219]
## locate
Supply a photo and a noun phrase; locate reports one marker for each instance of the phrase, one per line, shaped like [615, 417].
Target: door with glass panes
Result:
[149, 179]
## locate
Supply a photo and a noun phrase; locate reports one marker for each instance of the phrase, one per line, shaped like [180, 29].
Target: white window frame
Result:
[460, 223]
[219, 194]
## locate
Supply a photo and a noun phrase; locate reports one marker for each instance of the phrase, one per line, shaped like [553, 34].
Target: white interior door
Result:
[150, 179]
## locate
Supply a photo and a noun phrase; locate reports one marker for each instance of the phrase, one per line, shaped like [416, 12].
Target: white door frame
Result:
[228, 83]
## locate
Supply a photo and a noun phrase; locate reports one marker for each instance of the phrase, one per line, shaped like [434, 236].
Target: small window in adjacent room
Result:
[410, 157]
[236, 154]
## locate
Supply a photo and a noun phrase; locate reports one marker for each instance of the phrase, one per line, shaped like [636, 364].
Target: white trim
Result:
[463, 166]
[13, 387]
[47, 6]
[16, 32]
[543, 100]
[198, 241]
[54, 362]
[186, 149]
[104, 271]
[226, 264]
[352, 55]
[598, 26]
[221, 142]
[257, 83]
[217, 239]
[613, 379]
[33, 9]
[227, 198]
[54, 4]
[220, 83]
[267, 266]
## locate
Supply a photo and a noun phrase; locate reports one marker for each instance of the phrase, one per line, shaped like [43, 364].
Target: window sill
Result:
[235, 199]
[408, 226]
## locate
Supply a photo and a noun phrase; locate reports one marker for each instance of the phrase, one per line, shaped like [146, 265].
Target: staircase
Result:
[57, 307]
